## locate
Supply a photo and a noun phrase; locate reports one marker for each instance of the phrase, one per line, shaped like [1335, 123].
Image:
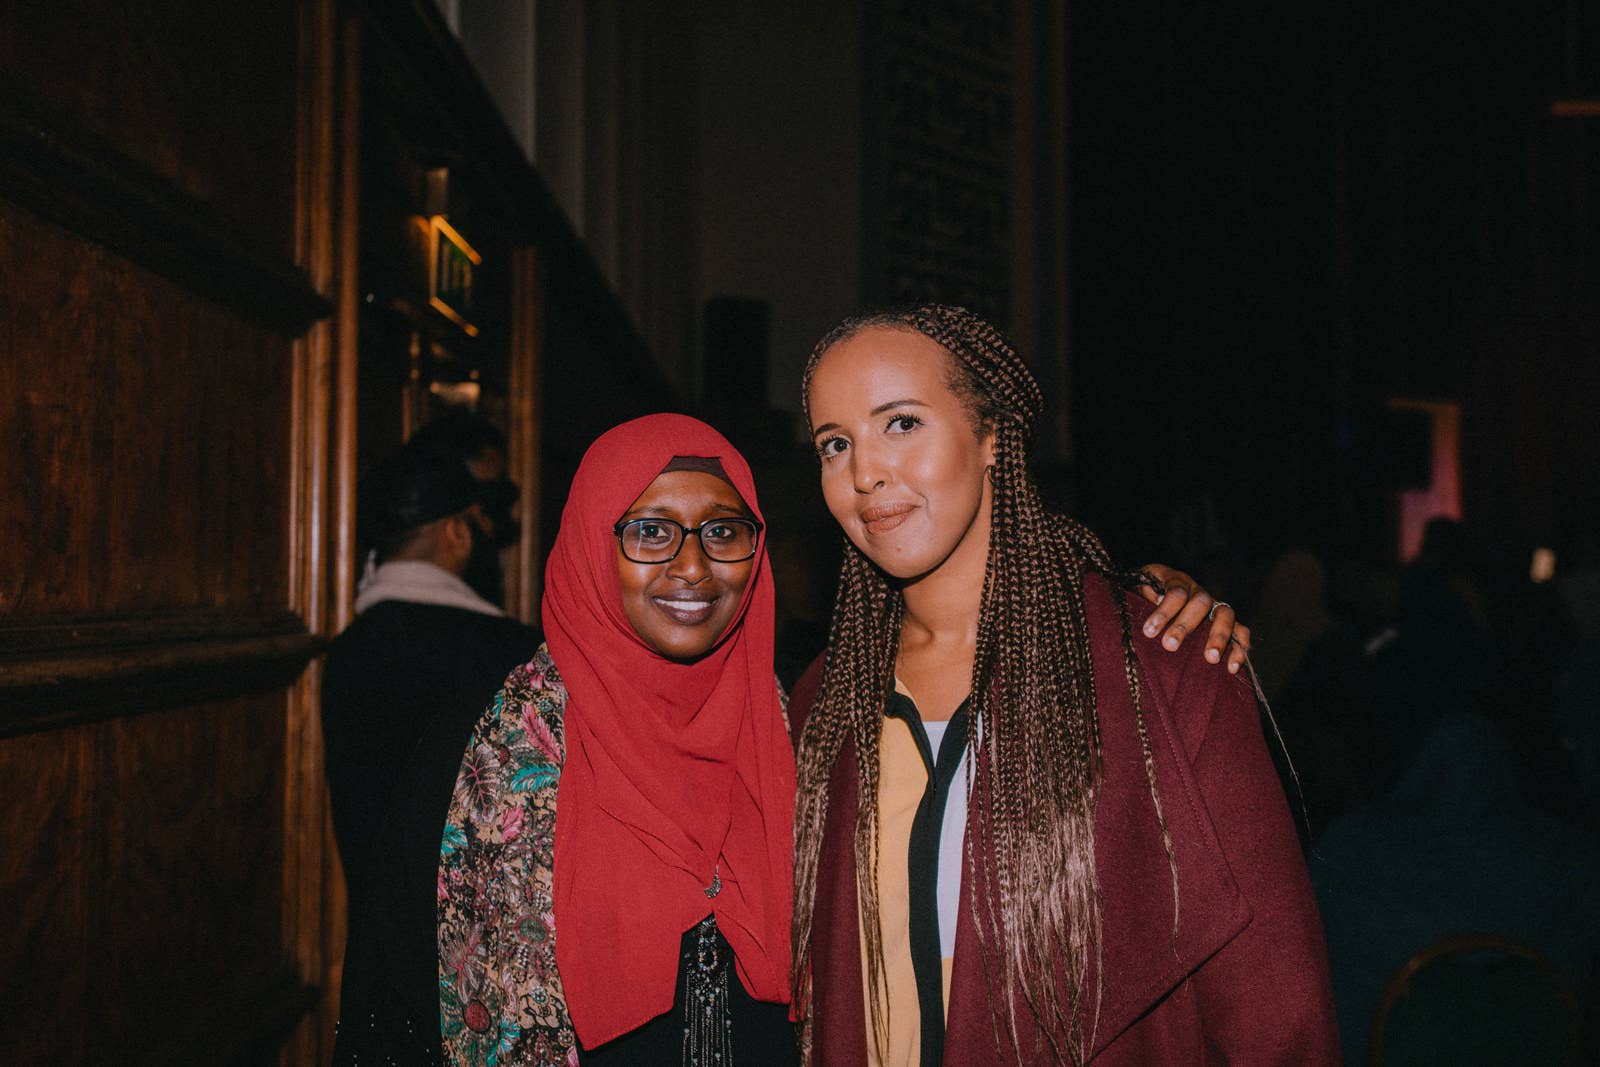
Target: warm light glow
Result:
[440, 225]
[1443, 495]
[457, 394]
[452, 262]
[1575, 108]
[1543, 567]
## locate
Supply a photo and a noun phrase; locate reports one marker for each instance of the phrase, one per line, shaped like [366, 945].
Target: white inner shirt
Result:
[952, 832]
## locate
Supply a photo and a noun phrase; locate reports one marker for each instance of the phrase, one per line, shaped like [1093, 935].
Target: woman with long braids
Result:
[1020, 837]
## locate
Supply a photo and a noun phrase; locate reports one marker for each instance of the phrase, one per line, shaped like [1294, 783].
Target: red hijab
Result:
[675, 772]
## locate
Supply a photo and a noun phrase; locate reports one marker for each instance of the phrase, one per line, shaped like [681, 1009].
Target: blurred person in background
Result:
[402, 686]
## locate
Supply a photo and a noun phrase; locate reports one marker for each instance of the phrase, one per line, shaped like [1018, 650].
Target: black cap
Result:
[410, 488]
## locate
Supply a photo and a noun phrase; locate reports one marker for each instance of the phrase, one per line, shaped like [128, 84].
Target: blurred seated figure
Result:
[1452, 850]
[1476, 1001]
[1327, 709]
[1440, 661]
[1291, 616]
[1577, 694]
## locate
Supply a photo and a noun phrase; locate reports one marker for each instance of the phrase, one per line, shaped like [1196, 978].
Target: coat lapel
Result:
[1142, 957]
[838, 1016]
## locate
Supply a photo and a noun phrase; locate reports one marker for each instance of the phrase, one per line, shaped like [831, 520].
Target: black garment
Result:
[402, 690]
[762, 1033]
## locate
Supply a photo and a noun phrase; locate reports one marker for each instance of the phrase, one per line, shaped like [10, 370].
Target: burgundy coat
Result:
[1246, 981]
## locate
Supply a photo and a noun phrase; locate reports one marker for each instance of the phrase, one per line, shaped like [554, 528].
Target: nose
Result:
[690, 565]
[867, 469]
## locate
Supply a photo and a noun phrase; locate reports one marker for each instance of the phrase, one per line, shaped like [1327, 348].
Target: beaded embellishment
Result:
[707, 1023]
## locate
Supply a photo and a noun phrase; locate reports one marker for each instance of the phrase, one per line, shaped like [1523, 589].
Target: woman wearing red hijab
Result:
[651, 721]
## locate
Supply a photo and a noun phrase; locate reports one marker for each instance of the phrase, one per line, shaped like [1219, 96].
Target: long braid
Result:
[1034, 765]
[866, 619]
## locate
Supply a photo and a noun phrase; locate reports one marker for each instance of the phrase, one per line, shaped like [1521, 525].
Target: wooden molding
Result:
[524, 585]
[345, 256]
[62, 173]
[56, 674]
[313, 890]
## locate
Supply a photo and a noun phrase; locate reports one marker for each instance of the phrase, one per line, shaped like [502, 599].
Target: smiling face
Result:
[681, 608]
[902, 461]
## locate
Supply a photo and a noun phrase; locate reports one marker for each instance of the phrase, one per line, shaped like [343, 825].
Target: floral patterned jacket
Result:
[500, 997]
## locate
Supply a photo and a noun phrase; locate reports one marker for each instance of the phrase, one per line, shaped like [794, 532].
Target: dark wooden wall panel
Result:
[190, 807]
[160, 508]
[44, 789]
[198, 92]
[137, 878]
[149, 439]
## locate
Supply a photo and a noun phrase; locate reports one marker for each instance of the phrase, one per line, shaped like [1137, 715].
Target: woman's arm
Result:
[500, 994]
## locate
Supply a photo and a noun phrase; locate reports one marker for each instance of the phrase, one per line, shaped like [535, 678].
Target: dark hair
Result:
[463, 434]
[405, 491]
[1034, 746]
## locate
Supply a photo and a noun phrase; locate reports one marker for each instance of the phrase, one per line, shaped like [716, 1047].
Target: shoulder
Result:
[431, 635]
[1182, 684]
[509, 629]
[804, 697]
[538, 677]
[527, 715]
[510, 769]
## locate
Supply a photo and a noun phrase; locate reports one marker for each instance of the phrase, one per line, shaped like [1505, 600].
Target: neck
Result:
[942, 606]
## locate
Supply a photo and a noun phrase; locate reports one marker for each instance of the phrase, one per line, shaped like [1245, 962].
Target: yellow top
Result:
[902, 781]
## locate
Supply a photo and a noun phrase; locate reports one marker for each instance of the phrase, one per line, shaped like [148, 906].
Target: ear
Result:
[454, 545]
[987, 444]
[457, 530]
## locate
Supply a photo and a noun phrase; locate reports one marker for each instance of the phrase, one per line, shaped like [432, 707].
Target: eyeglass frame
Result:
[622, 524]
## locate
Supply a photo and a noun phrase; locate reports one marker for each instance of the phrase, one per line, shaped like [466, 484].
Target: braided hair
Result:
[1034, 741]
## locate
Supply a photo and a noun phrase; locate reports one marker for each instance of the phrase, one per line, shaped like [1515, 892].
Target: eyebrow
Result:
[662, 511]
[908, 402]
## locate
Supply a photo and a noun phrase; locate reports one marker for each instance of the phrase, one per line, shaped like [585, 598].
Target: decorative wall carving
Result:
[939, 153]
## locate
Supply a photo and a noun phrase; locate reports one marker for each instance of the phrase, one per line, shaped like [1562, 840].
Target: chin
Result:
[902, 566]
[680, 648]
[689, 644]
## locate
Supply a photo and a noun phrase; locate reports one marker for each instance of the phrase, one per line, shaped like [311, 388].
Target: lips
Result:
[881, 518]
[686, 609]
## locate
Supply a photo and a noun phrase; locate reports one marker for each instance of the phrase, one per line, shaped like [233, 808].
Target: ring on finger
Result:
[1215, 605]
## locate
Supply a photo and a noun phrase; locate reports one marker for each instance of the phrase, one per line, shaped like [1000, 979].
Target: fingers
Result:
[1161, 573]
[1240, 649]
[1192, 616]
[1222, 619]
[1170, 605]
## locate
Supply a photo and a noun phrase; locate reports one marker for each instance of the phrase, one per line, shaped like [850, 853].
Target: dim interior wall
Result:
[600, 97]
[779, 170]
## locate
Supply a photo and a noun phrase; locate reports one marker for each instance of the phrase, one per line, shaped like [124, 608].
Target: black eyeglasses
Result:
[660, 540]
